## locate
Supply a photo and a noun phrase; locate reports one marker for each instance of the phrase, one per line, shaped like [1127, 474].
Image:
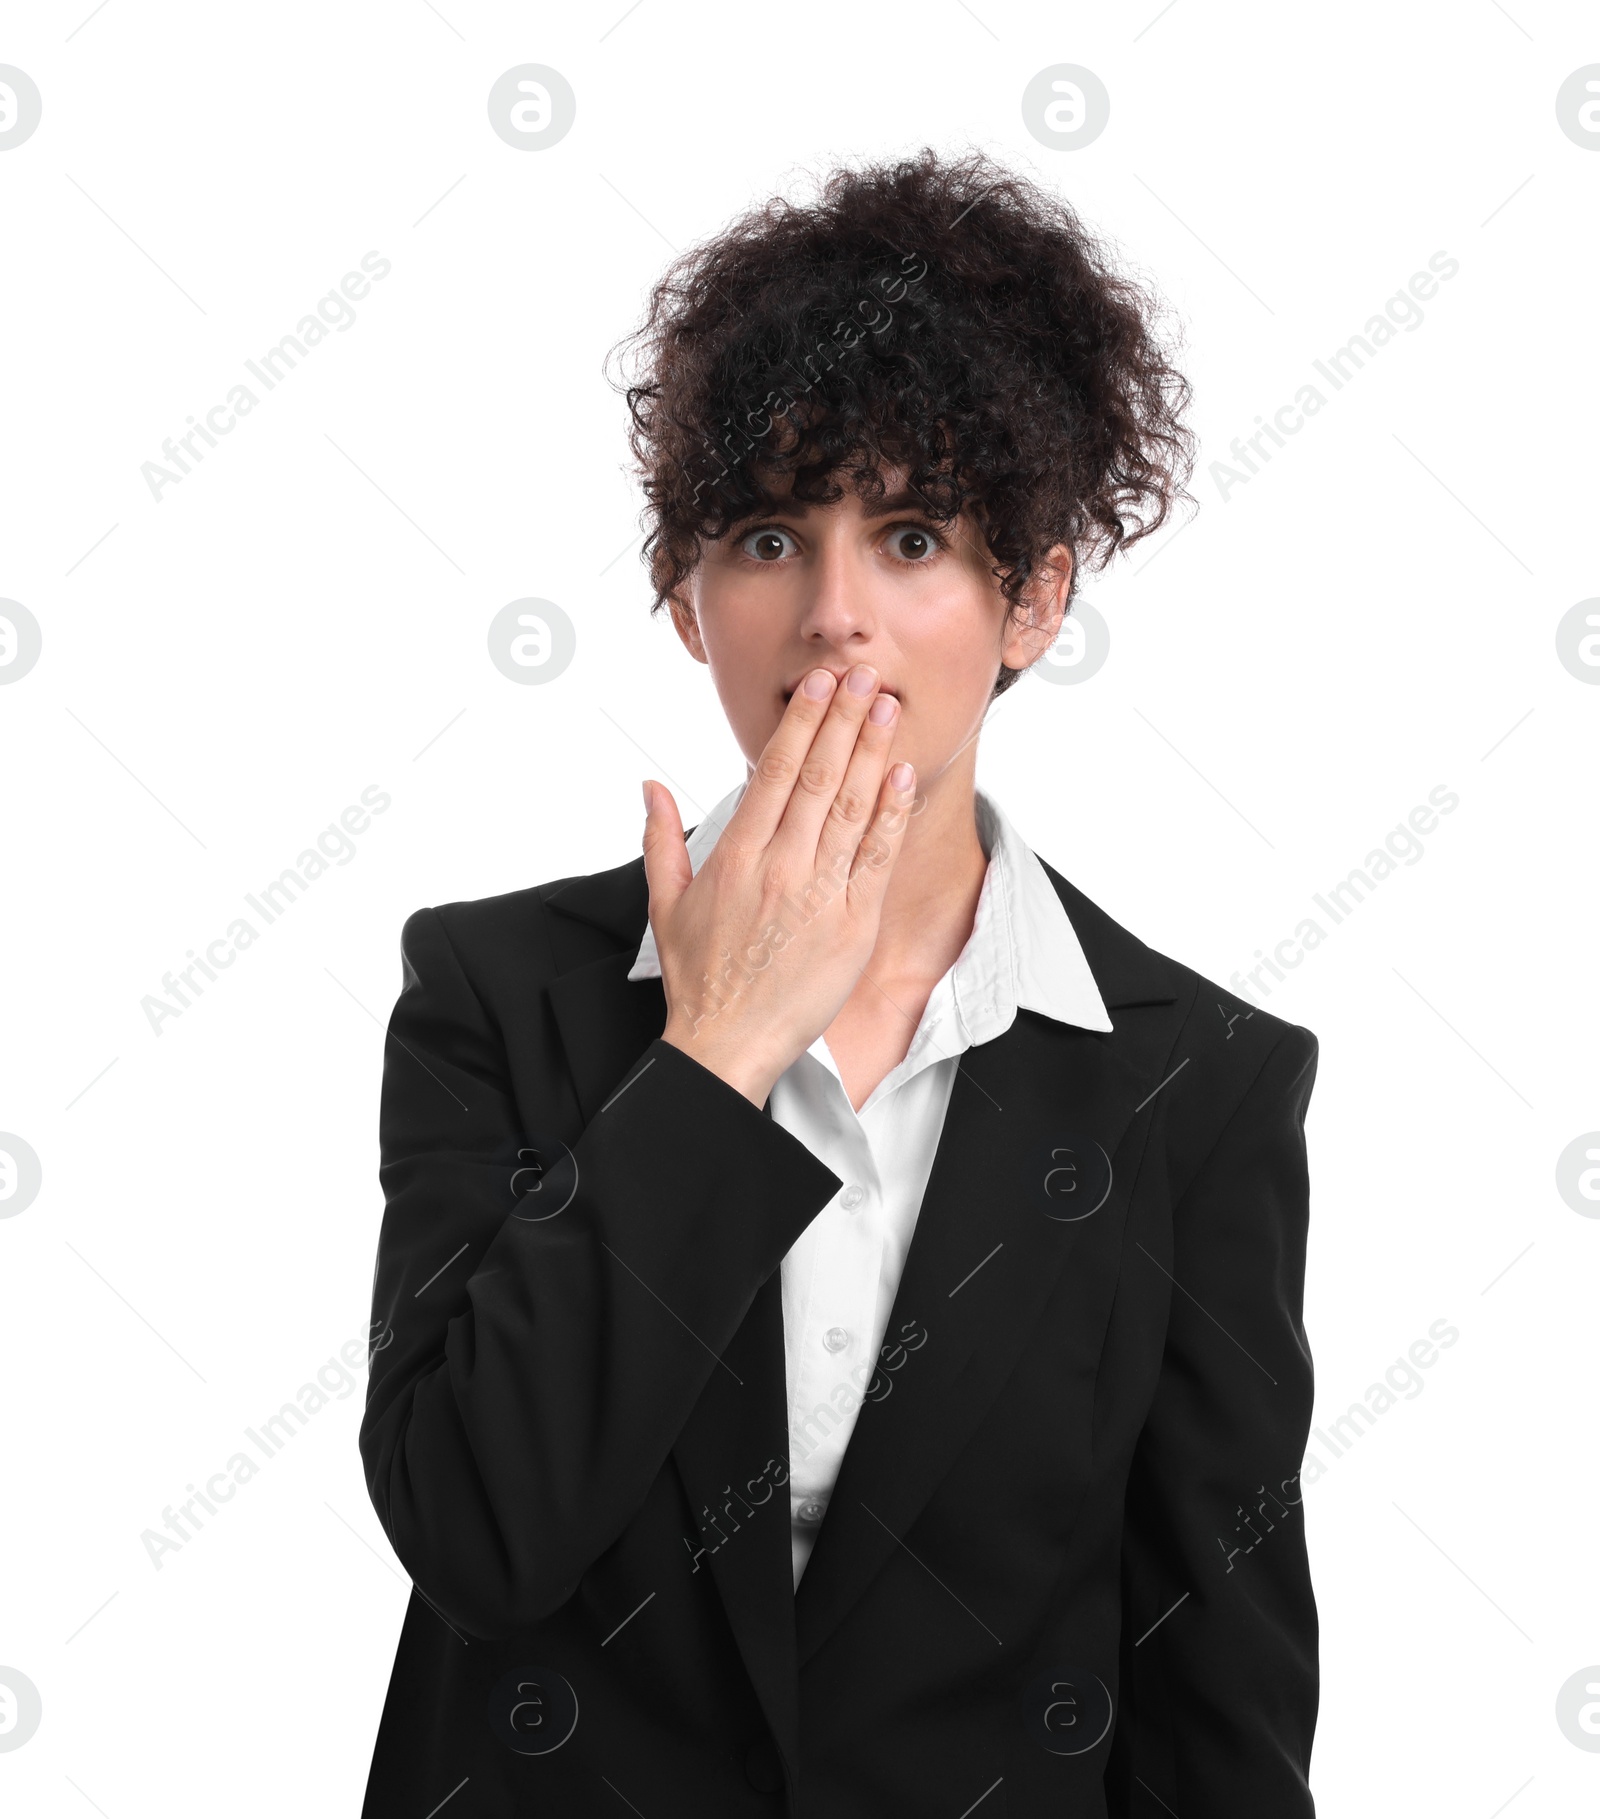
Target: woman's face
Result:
[807, 586]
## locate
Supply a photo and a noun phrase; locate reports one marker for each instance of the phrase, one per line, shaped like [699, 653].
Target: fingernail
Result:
[862, 680]
[819, 684]
[645, 787]
[900, 776]
[882, 710]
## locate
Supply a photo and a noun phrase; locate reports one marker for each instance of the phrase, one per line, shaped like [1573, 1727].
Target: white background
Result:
[1372, 615]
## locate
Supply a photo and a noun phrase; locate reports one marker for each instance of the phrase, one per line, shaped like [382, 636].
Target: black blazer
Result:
[1063, 1570]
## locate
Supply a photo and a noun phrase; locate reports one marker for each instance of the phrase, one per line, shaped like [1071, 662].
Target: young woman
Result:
[837, 1320]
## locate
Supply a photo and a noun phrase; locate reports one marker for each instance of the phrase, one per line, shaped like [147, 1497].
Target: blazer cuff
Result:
[709, 1153]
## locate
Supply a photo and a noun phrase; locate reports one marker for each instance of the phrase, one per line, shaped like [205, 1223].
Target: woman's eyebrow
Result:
[892, 505]
[762, 515]
[903, 501]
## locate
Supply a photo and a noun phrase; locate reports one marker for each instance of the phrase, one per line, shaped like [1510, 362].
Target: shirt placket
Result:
[841, 1303]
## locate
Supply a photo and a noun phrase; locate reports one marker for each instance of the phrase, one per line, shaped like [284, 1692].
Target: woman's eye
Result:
[911, 544]
[768, 545]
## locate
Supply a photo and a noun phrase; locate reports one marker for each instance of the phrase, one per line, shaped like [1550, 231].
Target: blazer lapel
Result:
[1029, 1180]
[606, 1023]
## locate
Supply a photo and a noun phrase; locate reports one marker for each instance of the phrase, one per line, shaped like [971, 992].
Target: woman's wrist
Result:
[729, 1065]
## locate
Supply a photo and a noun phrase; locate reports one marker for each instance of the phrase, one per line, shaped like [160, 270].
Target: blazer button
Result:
[762, 1769]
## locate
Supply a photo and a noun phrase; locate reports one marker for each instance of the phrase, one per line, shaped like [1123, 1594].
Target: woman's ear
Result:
[1036, 623]
[687, 624]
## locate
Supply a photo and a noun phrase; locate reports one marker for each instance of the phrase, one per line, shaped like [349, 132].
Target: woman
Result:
[839, 1299]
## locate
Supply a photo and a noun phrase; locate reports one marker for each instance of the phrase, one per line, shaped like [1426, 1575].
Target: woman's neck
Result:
[933, 891]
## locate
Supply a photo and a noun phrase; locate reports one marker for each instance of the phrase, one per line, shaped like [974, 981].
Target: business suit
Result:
[1064, 1567]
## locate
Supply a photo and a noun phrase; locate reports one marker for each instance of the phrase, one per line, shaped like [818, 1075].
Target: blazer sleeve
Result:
[529, 1374]
[1220, 1655]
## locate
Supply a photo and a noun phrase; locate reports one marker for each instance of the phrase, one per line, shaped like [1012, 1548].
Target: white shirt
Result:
[840, 1277]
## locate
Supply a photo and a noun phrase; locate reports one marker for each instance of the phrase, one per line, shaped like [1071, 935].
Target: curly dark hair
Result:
[943, 316]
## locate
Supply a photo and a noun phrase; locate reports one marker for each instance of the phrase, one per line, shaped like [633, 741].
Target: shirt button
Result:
[851, 1198]
[810, 1512]
[836, 1339]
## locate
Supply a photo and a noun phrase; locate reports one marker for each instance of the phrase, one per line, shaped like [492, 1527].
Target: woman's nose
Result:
[838, 601]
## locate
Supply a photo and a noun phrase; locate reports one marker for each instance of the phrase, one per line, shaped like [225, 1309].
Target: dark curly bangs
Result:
[946, 318]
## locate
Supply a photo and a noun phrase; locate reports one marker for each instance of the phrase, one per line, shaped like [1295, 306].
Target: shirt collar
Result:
[1023, 952]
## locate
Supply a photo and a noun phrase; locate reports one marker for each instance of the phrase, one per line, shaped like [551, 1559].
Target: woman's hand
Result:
[761, 948]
